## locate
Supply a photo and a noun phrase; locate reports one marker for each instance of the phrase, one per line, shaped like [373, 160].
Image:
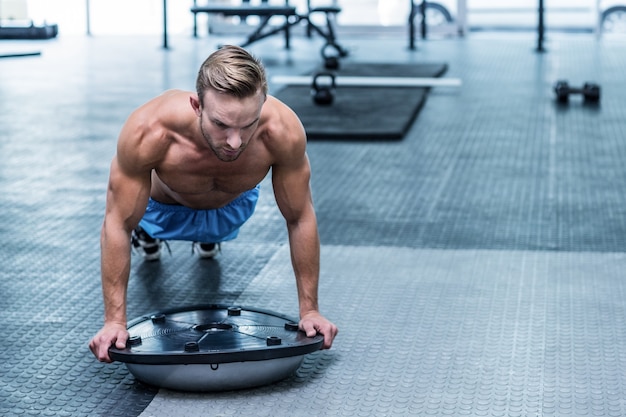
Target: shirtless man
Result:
[187, 167]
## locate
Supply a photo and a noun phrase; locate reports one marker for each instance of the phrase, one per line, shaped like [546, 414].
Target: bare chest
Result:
[205, 184]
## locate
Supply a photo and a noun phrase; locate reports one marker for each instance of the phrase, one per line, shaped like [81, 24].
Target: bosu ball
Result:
[214, 348]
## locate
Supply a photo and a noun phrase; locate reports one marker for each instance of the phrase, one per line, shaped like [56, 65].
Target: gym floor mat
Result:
[467, 333]
[363, 113]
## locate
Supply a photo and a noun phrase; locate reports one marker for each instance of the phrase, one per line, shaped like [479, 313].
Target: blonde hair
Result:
[232, 70]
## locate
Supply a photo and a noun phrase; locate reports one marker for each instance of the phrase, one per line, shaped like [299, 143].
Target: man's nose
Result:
[234, 138]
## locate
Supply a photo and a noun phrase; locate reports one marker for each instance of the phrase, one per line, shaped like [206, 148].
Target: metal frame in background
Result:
[462, 21]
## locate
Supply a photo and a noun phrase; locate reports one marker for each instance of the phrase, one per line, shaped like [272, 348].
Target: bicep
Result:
[139, 148]
[127, 195]
[292, 189]
[291, 170]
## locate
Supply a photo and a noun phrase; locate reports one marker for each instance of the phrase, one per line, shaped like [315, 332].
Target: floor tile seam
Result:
[466, 250]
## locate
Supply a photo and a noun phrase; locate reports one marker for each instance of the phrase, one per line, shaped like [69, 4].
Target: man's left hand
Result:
[313, 323]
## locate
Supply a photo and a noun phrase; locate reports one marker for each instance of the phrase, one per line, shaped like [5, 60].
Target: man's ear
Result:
[195, 104]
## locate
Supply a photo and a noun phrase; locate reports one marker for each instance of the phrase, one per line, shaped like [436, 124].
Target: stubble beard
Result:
[221, 156]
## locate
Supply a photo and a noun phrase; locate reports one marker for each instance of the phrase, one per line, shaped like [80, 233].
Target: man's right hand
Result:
[111, 334]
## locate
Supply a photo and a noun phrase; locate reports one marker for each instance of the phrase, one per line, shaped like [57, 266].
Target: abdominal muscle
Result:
[201, 193]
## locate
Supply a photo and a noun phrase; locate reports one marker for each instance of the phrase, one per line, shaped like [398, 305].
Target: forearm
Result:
[115, 271]
[305, 257]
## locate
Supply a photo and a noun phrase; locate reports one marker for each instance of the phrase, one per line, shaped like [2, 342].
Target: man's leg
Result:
[162, 222]
[145, 244]
[205, 250]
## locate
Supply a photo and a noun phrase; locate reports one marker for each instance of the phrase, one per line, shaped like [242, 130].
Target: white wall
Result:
[113, 16]
[13, 9]
[121, 16]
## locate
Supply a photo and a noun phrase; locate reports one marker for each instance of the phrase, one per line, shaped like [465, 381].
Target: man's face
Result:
[228, 123]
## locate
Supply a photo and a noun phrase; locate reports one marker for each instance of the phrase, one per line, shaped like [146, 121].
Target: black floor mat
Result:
[363, 113]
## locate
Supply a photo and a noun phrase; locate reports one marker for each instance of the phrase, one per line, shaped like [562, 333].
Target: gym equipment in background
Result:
[323, 93]
[590, 91]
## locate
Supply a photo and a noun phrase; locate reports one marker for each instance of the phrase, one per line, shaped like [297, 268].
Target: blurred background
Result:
[444, 17]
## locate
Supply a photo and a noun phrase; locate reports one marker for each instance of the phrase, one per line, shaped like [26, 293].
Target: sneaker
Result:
[205, 250]
[148, 246]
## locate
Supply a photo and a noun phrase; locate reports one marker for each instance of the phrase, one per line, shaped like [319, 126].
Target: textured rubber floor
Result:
[474, 268]
[446, 332]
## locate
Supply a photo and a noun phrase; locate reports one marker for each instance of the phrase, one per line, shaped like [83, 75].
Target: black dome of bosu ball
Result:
[214, 348]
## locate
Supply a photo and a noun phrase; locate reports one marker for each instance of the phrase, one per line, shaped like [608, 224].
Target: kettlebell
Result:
[323, 94]
[331, 59]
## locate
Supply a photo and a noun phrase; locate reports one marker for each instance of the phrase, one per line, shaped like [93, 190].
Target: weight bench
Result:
[266, 12]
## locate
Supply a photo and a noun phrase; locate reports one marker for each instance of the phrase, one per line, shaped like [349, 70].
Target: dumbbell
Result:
[590, 92]
[323, 93]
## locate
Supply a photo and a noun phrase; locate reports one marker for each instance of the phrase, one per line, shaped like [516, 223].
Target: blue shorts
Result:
[175, 222]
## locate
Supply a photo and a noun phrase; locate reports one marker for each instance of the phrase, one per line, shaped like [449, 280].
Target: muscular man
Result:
[187, 167]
